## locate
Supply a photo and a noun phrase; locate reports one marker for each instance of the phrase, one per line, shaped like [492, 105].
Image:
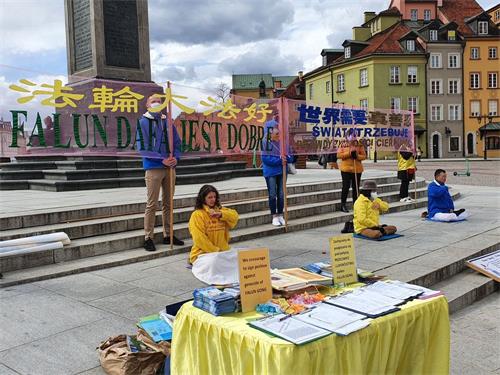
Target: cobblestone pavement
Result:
[474, 338]
[482, 172]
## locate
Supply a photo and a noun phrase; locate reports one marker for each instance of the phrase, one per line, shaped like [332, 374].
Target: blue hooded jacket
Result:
[152, 155]
[271, 157]
[439, 199]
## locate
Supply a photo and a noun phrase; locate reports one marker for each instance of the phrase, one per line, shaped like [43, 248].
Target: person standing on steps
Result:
[157, 162]
[272, 168]
[351, 153]
[406, 172]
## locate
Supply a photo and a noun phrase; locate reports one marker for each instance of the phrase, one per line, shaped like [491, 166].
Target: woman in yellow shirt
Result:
[367, 211]
[406, 172]
[210, 223]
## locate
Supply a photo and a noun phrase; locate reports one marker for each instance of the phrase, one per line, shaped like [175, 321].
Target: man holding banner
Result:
[153, 145]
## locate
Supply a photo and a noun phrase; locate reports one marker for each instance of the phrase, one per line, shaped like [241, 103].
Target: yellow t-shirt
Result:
[404, 165]
[210, 234]
[365, 216]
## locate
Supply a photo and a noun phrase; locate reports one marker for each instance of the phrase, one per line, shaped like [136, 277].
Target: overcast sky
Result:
[193, 42]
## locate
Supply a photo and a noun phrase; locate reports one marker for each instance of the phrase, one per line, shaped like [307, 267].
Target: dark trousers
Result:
[405, 178]
[347, 182]
[275, 191]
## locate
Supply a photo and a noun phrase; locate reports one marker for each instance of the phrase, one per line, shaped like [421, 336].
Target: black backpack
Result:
[348, 227]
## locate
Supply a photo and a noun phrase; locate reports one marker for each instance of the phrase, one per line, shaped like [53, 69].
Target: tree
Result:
[222, 92]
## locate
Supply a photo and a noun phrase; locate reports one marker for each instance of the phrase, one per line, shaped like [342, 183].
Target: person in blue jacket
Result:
[153, 145]
[272, 167]
[440, 206]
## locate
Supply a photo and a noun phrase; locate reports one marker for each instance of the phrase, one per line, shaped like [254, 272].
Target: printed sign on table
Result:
[343, 259]
[255, 278]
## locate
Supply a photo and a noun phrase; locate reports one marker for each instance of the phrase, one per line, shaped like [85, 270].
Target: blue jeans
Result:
[275, 191]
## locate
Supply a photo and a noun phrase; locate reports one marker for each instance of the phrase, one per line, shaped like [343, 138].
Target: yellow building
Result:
[481, 87]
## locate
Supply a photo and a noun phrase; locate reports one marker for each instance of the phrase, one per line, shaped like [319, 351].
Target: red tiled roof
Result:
[385, 42]
[458, 11]
[390, 12]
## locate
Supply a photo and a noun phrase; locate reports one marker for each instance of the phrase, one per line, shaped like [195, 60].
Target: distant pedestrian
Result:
[419, 154]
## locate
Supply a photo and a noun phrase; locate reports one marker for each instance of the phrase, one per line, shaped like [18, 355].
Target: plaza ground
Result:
[53, 326]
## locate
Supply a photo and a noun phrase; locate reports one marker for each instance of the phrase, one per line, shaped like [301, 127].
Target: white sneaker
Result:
[281, 220]
[409, 200]
[403, 200]
[276, 221]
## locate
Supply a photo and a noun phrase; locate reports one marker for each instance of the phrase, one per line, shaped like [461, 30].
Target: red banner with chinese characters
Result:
[110, 118]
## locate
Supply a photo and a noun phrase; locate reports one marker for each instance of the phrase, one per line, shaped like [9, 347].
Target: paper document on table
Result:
[290, 329]
[378, 297]
[334, 319]
[364, 302]
[353, 327]
[393, 290]
[426, 292]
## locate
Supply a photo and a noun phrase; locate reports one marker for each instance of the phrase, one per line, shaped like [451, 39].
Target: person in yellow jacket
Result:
[351, 153]
[367, 209]
[406, 172]
[210, 223]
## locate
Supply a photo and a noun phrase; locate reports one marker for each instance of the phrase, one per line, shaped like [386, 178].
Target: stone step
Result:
[92, 174]
[110, 183]
[92, 227]
[55, 268]
[14, 185]
[62, 162]
[466, 288]
[84, 212]
[22, 175]
[251, 225]
[432, 268]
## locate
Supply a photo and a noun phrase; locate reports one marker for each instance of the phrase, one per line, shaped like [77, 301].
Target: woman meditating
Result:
[209, 226]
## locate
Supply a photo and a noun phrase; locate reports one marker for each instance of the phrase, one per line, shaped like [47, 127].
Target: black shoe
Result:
[166, 241]
[459, 212]
[343, 208]
[149, 245]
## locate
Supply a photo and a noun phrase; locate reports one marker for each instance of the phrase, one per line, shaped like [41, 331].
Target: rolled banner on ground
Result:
[16, 250]
[37, 240]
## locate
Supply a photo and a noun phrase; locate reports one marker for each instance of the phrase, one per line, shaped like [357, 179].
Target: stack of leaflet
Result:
[367, 302]
[156, 327]
[321, 268]
[214, 301]
[296, 278]
[235, 292]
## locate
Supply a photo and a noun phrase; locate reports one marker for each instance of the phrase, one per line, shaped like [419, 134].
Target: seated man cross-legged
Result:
[440, 206]
[367, 209]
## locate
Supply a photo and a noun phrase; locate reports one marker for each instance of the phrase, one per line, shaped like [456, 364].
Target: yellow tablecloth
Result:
[415, 340]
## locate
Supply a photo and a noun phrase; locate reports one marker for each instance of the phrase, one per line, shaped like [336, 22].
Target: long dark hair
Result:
[204, 191]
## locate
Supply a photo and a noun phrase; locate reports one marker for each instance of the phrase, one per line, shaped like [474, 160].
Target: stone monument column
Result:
[107, 44]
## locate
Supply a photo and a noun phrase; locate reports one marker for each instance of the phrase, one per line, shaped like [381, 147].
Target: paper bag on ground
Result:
[117, 359]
